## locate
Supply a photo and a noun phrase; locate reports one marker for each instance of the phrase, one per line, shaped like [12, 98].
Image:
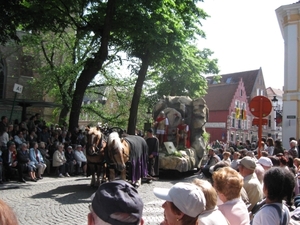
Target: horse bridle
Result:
[95, 144]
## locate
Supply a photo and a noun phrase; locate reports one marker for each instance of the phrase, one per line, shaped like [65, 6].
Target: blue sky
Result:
[245, 35]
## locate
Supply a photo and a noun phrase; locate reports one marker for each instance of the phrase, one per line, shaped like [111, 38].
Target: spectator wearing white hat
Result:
[262, 165]
[81, 159]
[183, 203]
[265, 162]
[293, 150]
[252, 185]
[116, 203]
[211, 215]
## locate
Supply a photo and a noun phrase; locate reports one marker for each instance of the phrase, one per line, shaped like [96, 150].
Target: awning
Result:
[24, 103]
[28, 103]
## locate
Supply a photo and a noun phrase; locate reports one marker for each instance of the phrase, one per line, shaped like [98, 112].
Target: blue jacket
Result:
[32, 156]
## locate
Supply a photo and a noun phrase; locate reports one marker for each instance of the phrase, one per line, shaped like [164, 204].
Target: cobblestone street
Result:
[65, 201]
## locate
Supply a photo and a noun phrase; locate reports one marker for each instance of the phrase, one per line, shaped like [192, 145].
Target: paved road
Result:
[64, 201]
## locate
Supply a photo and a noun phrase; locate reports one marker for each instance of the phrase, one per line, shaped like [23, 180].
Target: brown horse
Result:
[131, 150]
[95, 155]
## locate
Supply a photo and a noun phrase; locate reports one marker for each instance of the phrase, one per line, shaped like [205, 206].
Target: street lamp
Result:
[277, 110]
[274, 103]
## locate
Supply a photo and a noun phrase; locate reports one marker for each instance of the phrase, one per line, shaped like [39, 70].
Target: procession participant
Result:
[153, 147]
[161, 124]
[183, 133]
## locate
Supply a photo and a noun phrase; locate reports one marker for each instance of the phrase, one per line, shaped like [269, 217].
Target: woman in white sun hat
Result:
[183, 203]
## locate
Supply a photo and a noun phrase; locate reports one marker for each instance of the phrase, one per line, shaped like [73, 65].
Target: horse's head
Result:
[116, 151]
[94, 141]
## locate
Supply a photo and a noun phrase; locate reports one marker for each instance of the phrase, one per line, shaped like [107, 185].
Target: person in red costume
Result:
[183, 134]
[161, 124]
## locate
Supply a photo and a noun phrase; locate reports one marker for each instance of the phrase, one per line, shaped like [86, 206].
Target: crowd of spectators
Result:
[29, 149]
[248, 179]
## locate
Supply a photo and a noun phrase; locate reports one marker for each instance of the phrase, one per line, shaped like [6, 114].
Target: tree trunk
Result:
[63, 115]
[91, 68]
[137, 95]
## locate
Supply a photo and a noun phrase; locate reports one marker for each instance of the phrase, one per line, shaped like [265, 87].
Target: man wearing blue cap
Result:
[116, 203]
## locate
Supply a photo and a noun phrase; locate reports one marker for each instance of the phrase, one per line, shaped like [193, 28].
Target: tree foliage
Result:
[187, 77]
[157, 35]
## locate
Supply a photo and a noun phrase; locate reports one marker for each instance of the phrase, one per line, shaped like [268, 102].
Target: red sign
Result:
[260, 106]
[255, 121]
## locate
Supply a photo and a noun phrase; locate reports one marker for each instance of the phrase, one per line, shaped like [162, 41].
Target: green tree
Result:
[185, 77]
[161, 34]
[57, 65]
[156, 33]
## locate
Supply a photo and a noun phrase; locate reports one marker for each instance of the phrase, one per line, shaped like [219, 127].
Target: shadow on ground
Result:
[69, 194]
[175, 176]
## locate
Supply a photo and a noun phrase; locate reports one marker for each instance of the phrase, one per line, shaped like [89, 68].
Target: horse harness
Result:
[114, 151]
[96, 143]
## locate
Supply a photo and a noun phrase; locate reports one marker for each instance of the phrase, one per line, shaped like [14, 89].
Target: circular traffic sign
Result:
[260, 106]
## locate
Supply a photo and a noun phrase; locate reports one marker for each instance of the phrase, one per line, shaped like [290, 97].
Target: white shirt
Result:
[235, 211]
[4, 138]
[268, 215]
[212, 217]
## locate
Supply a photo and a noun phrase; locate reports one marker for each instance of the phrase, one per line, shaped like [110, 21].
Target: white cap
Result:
[265, 161]
[187, 197]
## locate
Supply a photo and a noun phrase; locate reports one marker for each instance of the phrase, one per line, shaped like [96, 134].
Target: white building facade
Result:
[289, 21]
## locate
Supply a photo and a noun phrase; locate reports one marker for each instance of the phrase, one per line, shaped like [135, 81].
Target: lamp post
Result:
[276, 108]
[274, 103]
[228, 128]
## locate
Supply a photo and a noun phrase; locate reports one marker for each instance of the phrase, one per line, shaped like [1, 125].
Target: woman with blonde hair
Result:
[211, 215]
[7, 215]
[228, 184]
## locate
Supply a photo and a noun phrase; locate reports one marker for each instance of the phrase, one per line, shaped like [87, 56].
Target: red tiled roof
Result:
[248, 77]
[219, 96]
[273, 91]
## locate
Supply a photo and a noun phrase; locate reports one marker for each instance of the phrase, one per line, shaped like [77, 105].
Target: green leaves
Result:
[70, 41]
